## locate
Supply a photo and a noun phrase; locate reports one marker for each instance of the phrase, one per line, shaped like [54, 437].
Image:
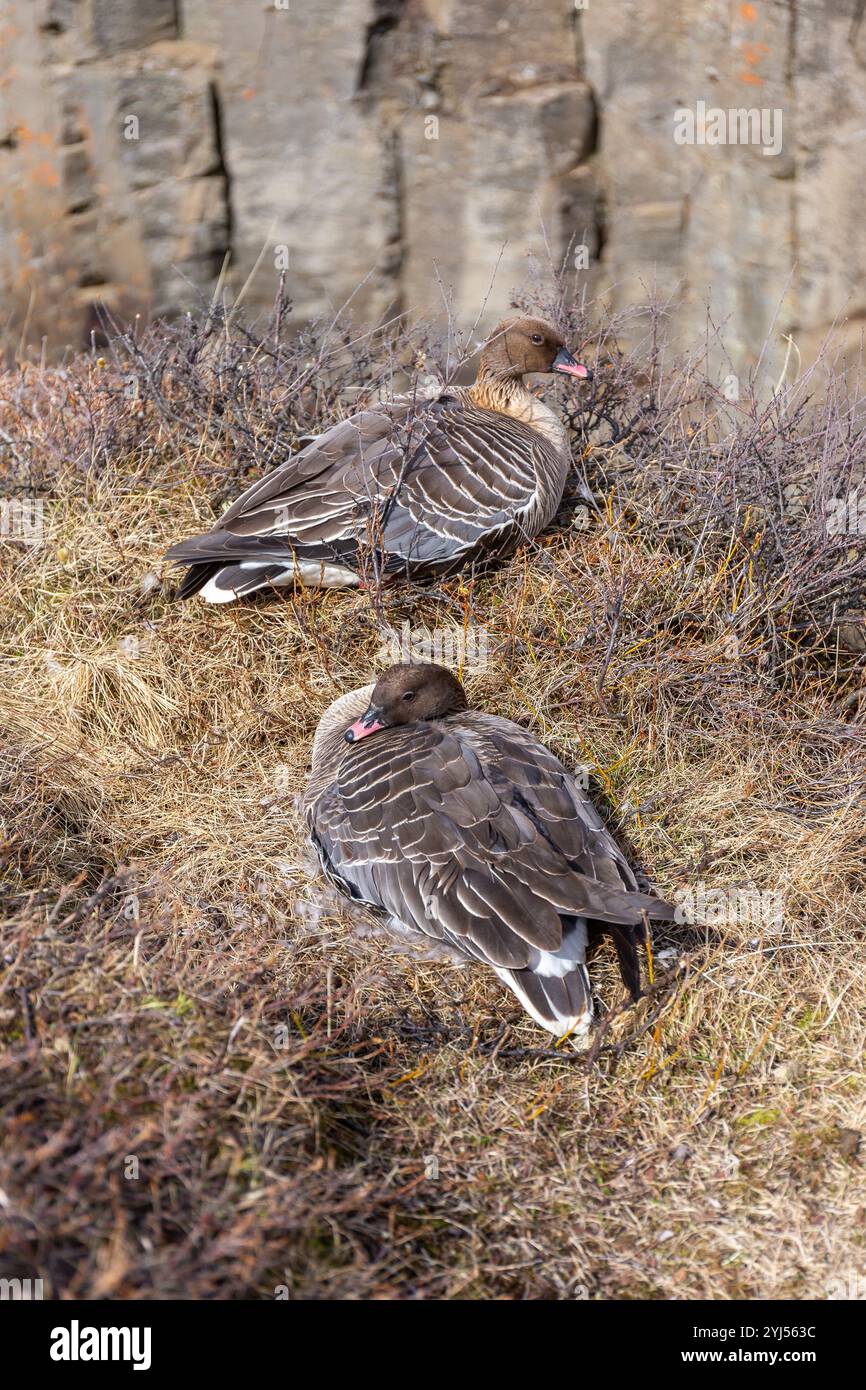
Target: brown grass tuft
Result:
[216, 1081]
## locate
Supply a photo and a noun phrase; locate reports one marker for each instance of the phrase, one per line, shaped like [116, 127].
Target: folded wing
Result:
[473, 832]
[421, 483]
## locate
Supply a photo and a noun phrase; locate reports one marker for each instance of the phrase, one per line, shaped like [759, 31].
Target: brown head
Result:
[520, 346]
[406, 693]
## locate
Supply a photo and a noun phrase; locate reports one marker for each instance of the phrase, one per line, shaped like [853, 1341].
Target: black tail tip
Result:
[195, 579]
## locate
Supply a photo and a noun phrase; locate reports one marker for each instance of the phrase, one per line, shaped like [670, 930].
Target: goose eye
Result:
[409, 695]
[537, 338]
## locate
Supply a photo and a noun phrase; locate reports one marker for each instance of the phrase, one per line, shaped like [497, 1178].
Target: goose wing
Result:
[471, 831]
[421, 481]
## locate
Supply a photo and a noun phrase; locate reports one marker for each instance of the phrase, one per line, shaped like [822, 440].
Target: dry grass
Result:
[216, 1081]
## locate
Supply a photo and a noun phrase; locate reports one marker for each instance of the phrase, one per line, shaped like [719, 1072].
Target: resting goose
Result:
[416, 486]
[462, 826]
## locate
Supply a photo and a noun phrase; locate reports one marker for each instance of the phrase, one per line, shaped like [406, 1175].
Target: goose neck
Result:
[510, 396]
[493, 391]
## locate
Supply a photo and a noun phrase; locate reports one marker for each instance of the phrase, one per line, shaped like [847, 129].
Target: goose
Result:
[415, 487]
[462, 826]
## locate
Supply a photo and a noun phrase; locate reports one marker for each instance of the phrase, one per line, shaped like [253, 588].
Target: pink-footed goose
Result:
[417, 486]
[462, 826]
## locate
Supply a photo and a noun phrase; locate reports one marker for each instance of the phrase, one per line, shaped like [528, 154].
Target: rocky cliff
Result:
[394, 150]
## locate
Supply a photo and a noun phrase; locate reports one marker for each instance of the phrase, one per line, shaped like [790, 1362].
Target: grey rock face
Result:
[382, 150]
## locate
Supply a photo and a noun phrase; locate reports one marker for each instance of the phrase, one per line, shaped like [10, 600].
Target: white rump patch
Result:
[570, 955]
[325, 576]
[309, 572]
[577, 1027]
[211, 594]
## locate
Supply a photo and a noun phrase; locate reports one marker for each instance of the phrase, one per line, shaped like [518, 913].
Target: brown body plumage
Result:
[462, 826]
[415, 487]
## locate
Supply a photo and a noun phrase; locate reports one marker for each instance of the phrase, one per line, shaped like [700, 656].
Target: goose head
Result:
[519, 347]
[406, 693]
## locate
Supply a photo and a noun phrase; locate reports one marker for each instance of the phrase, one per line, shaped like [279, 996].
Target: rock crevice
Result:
[383, 143]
